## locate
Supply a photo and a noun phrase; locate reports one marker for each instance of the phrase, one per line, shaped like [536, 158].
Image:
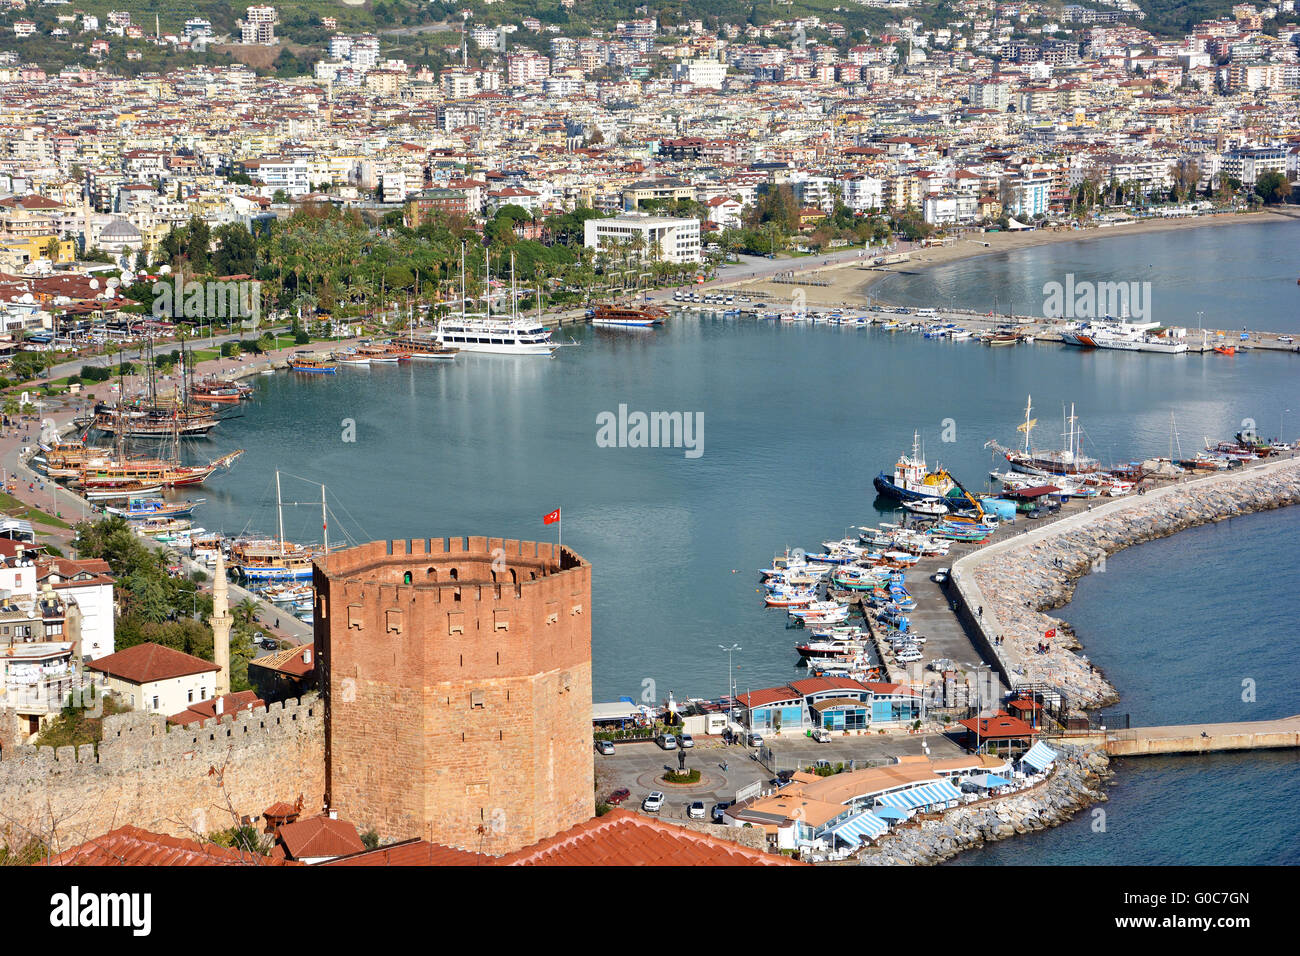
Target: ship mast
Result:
[325, 526]
[279, 511]
[462, 285]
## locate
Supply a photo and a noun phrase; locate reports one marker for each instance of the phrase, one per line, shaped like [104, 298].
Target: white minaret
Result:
[221, 622]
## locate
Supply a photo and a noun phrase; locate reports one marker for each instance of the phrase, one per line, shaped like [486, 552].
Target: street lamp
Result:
[731, 683]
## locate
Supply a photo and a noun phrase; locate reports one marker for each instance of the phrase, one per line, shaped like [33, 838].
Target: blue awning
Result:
[860, 826]
[941, 791]
[1039, 756]
[990, 780]
[890, 813]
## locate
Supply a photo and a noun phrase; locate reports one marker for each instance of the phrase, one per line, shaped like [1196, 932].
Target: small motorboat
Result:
[926, 506]
[1226, 349]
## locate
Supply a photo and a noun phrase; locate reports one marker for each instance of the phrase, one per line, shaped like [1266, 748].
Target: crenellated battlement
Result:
[177, 780]
[134, 740]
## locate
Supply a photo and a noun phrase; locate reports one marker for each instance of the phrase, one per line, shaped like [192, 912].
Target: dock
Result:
[1204, 738]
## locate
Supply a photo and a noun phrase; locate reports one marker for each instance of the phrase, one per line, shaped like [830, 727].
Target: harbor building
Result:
[456, 677]
[832, 703]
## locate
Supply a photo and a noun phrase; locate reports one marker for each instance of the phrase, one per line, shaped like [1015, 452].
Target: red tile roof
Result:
[132, 846]
[144, 663]
[998, 727]
[207, 709]
[414, 853]
[624, 838]
[319, 837]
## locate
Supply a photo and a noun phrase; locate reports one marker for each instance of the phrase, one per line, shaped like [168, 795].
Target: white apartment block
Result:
[258, 26]
[666, 238]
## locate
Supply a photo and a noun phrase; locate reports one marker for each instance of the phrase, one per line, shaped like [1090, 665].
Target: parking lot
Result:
[637, 766]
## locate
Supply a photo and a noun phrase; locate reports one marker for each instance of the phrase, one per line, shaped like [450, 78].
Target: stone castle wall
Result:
[183, 781]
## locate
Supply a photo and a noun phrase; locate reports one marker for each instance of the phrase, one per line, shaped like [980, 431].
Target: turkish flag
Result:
[553, 517]
[1050, 634]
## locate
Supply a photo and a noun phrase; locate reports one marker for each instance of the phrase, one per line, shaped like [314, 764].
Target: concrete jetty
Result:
[1204, 738]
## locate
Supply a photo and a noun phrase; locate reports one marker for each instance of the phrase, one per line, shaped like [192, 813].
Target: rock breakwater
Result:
[1075, 783]
[1019, 579]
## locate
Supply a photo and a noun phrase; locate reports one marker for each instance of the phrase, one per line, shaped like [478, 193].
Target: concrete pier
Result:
[1204, 738]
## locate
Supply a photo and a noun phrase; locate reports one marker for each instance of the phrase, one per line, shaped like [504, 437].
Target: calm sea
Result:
[797, 422]
[1215, 277]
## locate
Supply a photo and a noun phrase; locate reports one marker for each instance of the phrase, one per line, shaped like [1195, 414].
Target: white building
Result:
[157, 679]
[861, 192]
[705, 74]
[666, 238]
[86, 584]
[258, 26]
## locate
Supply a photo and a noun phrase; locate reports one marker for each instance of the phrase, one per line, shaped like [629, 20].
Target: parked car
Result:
[666, 741]
[653, 803]
[618, 796]
[685, 742]
[604, 747]
[821, 735]
[696, 810]
[718, 809]
[754, 740]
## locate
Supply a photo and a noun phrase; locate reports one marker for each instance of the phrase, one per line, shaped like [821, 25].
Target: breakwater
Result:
[1076, 782]
[1017, 580]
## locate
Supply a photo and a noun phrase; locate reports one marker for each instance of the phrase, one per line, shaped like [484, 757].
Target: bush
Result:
[301, 338]
[228, 349]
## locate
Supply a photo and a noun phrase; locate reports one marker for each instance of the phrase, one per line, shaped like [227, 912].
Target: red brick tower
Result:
[457, 685]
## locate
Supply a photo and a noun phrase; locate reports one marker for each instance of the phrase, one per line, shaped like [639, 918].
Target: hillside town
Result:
[367, 194]
[1016, 112]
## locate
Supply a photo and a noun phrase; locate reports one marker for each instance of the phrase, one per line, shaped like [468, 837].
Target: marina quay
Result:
[589, 433]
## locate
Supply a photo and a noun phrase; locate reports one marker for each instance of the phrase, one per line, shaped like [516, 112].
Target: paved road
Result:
[637, 765]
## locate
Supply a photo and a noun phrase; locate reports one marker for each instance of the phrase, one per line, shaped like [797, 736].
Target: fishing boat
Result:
[613, 314]
[140, 509]
[351, 357]
[1002, 340]
[311, 363]
[926, 506]
[799, 598]
[424, 347]
[132, 489]
[217, 392]
[382, 354]
[911, 481]
[828, 649]
[288, 593]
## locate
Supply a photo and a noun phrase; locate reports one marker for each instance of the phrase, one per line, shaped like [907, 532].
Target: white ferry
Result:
[506, 336]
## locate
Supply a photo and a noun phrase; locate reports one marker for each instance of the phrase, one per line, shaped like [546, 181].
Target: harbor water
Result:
[1225, 277]
[797, 420]
[1196, 627]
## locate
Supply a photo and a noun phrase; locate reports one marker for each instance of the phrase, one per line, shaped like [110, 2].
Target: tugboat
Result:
[911, 481]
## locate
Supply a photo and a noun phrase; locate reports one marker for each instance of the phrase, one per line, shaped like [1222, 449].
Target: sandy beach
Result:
[848, 281]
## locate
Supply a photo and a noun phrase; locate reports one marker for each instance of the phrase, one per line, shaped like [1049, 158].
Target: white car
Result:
[685, 742]
[696, 810]
[653, 803]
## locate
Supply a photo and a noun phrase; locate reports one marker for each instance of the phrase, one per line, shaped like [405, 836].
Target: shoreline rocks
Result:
[1027, 577]
[1076, 782]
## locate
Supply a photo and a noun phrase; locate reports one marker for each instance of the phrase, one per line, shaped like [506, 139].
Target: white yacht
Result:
[506, 336]
[509, 334]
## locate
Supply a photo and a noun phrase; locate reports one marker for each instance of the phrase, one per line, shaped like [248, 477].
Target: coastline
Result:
[1035, 571]
[850, 282]
[1038, 572]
